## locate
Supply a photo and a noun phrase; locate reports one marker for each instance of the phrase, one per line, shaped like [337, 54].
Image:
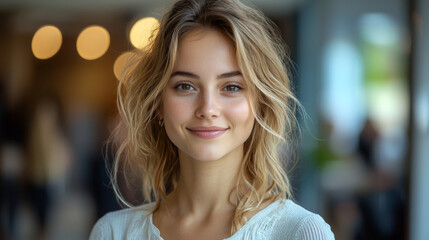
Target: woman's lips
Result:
[207, 132]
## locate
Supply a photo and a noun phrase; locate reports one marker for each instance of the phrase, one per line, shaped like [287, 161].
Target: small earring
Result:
[161, 122]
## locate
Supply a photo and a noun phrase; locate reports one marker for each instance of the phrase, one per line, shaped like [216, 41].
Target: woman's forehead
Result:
[206, 50]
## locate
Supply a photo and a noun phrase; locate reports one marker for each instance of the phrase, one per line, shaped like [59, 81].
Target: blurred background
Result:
[359, 71]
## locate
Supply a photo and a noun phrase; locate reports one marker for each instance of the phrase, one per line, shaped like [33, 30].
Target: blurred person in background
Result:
[207, 107]
[381, 204]
[49, 158]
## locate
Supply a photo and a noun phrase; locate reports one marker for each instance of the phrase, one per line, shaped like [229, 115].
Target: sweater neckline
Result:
[264, 212]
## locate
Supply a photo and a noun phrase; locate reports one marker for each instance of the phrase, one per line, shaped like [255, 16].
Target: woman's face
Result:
[206, 107]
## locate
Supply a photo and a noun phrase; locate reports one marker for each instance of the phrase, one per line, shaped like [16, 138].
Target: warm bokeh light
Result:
[120, 63]
[142, 31]
[46, 42]
[93, 42]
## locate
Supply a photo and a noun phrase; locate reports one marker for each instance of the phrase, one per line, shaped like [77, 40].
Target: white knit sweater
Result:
[279, 220]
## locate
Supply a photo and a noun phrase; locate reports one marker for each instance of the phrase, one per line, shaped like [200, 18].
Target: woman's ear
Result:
[160, 120]
[159, 114]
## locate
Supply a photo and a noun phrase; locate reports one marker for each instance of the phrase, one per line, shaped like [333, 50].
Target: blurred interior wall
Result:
[419, 171]
[352, 56]
[321, 25]
[310, 37]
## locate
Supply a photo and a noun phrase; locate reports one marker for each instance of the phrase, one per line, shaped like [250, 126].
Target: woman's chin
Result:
[206, 157]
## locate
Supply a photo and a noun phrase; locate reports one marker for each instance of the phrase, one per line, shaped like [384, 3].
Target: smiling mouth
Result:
[207, 132]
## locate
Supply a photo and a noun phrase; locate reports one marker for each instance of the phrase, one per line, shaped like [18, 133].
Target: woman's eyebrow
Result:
[185, 74]
[193, 75]
[229, 74]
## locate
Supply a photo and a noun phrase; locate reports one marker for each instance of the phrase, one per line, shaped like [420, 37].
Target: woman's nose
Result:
[208, 106]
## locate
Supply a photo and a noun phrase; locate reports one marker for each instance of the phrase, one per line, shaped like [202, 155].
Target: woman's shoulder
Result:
[296, 222]
[117, 224]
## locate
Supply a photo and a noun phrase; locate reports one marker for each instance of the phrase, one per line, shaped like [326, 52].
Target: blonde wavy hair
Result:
[146, 153]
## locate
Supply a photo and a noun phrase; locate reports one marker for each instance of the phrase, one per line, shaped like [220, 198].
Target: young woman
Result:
[207, 107]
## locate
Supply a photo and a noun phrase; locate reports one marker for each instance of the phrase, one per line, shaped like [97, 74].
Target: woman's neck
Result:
[205, 188]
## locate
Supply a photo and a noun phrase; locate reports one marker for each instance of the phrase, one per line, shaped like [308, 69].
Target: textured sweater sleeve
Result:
[100, 229]
[313, 227]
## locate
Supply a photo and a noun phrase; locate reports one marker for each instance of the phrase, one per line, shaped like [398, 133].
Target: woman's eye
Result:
[232, 88]
[185, 87]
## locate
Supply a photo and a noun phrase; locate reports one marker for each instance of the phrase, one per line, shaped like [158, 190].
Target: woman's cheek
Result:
[177, 109]
[239, 111]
